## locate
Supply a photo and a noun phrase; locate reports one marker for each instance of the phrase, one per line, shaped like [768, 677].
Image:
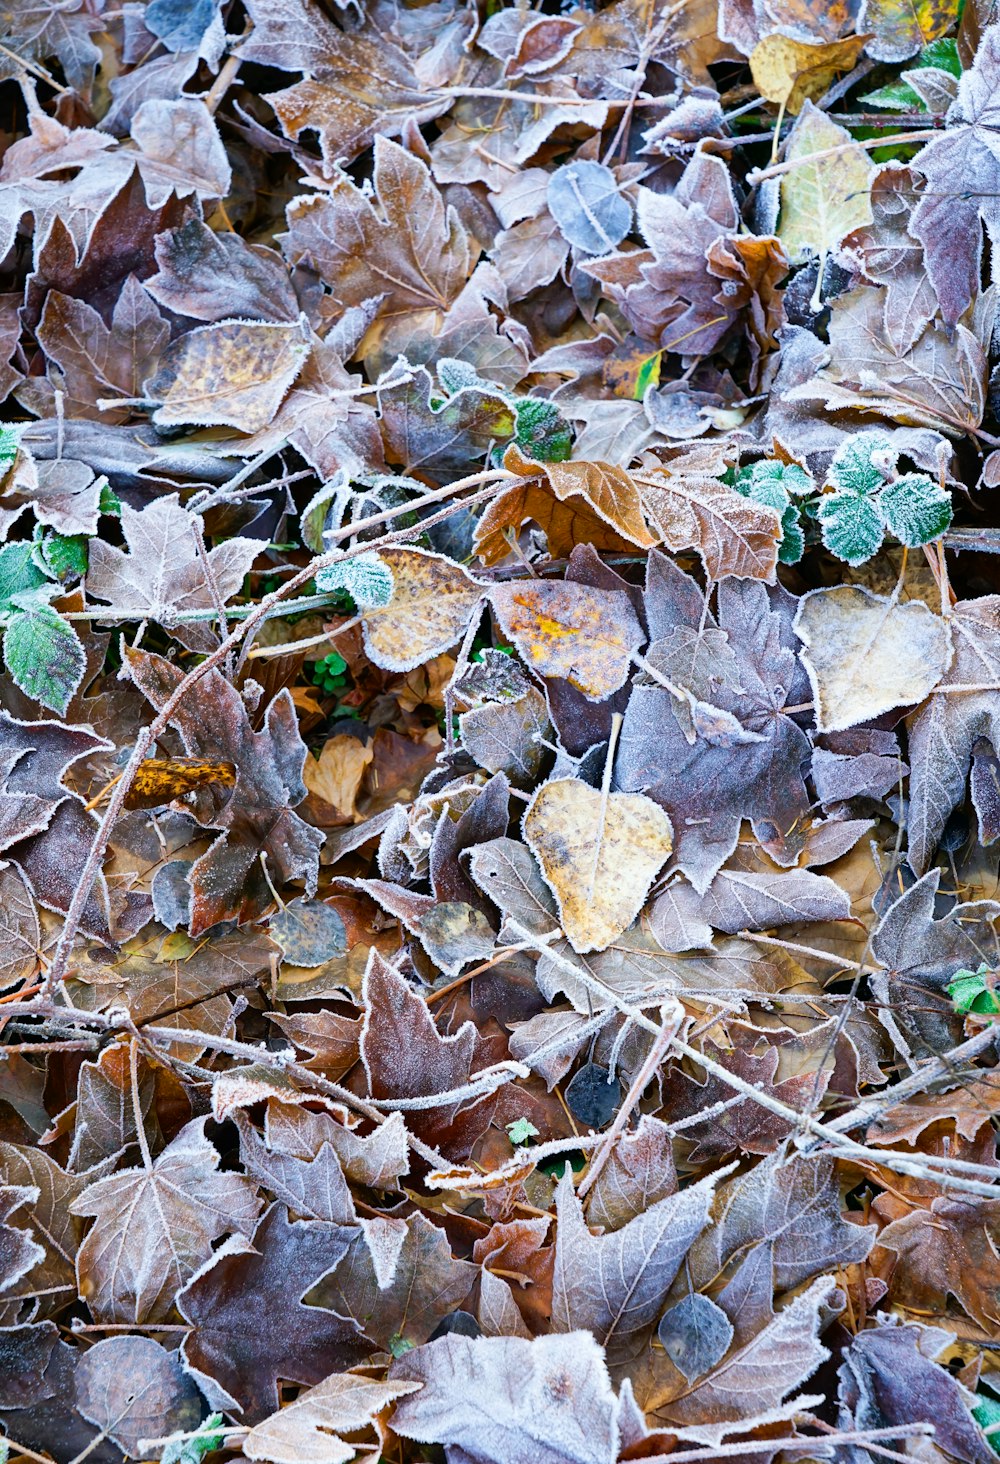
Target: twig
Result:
[148, 735]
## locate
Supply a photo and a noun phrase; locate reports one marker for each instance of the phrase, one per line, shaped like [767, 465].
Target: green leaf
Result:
[109, 502]
[521, 1130]
[987, 1415]
[18, 573]
[793, 479]
[915, 509]
[43, 653]
[367, 579]
[857, 463]
[974, 991]
[211, 1435]
[793, 540]
[541, 431]
[942, 53]
[62, 556]
[10, 439]
[852, 527]
[898, 96]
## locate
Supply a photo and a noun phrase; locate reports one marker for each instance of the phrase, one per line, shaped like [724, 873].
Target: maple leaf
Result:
[404, 246]
[38, 30]
[424, 1282]
[707, 788]
[228, 882]
[506, 1400]
[94, 361]
[209, 276]
[154, 1226]
[165, 570]
[42, 822]
[962, 168]
[250, 1325]
[936, 381]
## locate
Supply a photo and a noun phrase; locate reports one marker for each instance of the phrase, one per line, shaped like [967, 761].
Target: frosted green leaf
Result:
[210, 1436]
[915, 509]
[62, 556]
[10, 437]
[541, 431]
[793, 540]
[455, 375]
[18, 572]
[43, 653]
[852, 527]
[367, 579]
[521, 1130]
[857, 464]
[793, 479]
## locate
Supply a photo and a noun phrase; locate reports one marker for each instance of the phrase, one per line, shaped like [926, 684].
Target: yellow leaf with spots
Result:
[599, 857]
[585, 635]
[231, 374]
[432, 600]
[903, 27]
[158, 780]
[790, 72]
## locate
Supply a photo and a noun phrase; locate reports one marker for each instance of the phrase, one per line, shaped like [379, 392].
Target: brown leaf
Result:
[308, 1428]
[250, 1325]
[228, 882]
[432, 601]
[154, 1227]
[599, 855]
[732, 534]
[233, 373]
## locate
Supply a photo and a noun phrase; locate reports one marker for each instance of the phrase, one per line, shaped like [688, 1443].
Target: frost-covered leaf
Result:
[915, 509]
[585, 201]
[367, 578]
[598, 854]
[867, 653]
[42, 651]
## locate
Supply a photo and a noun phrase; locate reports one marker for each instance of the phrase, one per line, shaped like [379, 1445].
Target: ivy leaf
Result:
[368, 580]
[42, 652]
[852, 527]
[915, 509]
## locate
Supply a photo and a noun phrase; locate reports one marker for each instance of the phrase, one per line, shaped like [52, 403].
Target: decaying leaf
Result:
[866, 654]
[598, 854]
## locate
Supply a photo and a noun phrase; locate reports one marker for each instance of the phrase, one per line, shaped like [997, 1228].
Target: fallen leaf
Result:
[867, 654]
[585, 635]
[598, 855]
[231, 373]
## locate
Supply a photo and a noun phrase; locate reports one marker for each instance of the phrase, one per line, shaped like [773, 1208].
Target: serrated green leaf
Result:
[898, 96]
[793, 540]
[367, 579]
[793, 479]
[852, 527]
[18, 572]
[915, 508]
[857, 463]
[43, 654]
[62, 556]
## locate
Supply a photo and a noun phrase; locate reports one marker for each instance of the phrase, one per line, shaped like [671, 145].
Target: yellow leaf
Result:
[599, 856]
[231, 374]
[788, 71]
